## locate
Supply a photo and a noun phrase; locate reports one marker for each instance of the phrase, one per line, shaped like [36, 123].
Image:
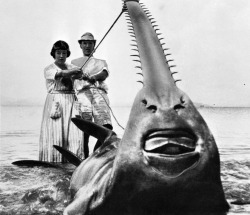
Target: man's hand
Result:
[85, 76]
[75, 71]
[92, 80]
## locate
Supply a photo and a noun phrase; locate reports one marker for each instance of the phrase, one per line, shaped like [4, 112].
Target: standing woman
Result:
[56, 127]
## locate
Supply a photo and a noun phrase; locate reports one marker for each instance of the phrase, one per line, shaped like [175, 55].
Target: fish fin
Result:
[99, 132]
[68, 155]
[240, 202]
[33, 163]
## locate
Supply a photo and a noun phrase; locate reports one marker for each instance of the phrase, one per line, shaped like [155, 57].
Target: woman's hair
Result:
[60, 45]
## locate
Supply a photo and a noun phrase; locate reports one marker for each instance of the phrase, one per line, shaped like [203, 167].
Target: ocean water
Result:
[44, 190]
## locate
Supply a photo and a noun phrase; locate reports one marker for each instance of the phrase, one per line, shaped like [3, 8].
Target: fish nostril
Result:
[178, 107]
[144, 101]
[182, 100]
[153, 108]
[181, 105]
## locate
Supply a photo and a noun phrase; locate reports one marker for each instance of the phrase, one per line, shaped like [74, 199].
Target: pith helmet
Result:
[87, 36]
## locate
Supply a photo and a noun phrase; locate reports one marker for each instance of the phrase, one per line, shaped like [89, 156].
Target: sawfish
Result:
[167, 161]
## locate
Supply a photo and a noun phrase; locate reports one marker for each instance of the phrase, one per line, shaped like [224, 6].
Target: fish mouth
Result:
[170, 143]
[171, 151]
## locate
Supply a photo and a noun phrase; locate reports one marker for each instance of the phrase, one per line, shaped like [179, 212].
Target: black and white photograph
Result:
[125, 107]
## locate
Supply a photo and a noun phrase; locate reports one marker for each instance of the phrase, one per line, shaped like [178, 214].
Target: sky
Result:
[209, 42]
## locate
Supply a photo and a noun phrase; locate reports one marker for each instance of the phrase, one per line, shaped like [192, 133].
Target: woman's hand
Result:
[75, 71]
[77, 76]
[68, 73]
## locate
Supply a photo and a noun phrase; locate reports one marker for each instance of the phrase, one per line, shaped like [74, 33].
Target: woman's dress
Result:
[58, 129]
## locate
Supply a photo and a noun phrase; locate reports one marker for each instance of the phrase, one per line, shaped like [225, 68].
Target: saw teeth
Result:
[155, 27]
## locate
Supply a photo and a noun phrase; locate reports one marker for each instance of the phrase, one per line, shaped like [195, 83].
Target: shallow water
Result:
[41, 190]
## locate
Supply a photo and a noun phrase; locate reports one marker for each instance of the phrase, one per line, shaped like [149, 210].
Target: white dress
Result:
[59, 130]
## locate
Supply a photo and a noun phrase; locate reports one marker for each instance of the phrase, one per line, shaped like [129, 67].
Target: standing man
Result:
[91, 89]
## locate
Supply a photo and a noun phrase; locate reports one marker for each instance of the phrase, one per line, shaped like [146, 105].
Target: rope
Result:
[108, 107]
[91, 56]
[102, 39]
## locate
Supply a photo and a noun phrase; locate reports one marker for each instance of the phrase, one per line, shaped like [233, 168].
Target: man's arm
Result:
[101, 76]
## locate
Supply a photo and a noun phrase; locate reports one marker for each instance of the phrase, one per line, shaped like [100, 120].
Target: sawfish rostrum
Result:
[167, 162]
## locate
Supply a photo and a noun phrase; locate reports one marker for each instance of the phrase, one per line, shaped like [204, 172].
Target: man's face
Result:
[87, 46]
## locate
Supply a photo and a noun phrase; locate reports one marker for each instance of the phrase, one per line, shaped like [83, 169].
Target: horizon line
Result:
[124, 105]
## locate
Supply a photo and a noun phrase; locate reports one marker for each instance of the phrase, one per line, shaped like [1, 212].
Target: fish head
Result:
[167, 151]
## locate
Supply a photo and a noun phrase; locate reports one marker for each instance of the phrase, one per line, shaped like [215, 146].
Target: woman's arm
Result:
[69, 73]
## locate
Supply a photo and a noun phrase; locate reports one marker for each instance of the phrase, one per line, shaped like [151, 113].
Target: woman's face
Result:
[60, 56]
